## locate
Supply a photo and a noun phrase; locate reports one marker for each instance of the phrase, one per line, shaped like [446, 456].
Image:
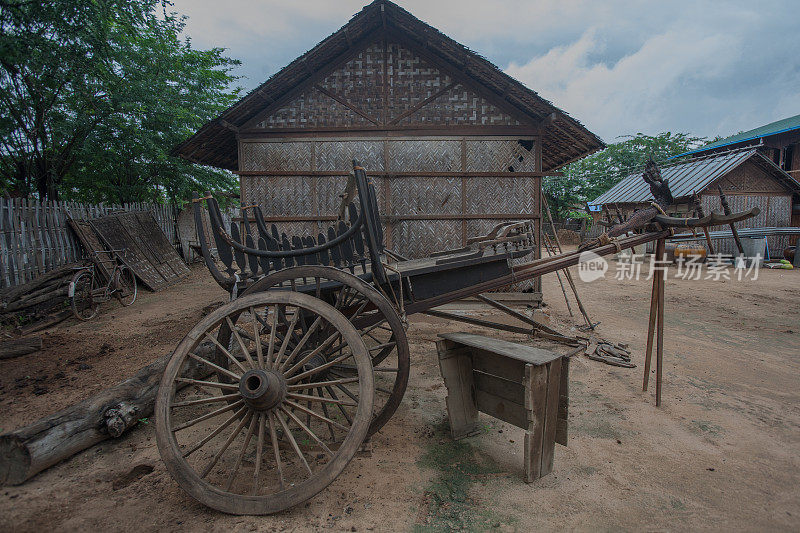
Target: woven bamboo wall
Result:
[421, 214]
[776, 210]
[386, 94]
[478, 164]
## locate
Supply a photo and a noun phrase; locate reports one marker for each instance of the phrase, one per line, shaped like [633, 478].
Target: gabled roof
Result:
[773, 128]
[690, 177]
[565, 139]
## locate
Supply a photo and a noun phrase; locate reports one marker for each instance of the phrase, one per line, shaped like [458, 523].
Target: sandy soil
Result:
[723, 451]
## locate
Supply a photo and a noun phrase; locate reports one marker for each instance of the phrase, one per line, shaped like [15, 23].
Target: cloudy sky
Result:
[705, 68]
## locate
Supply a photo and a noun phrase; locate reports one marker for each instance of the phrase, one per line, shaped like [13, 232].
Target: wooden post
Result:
[660, 325]
[726, 209]
[567, 273]
[701, 214]
[651, 326]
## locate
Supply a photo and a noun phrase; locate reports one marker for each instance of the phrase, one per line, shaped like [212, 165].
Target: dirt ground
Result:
[723, 451]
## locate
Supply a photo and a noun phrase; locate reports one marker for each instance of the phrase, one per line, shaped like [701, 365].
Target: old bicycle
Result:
[87, 290]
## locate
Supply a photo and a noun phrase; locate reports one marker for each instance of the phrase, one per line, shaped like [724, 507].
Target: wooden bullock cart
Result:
[311, 352]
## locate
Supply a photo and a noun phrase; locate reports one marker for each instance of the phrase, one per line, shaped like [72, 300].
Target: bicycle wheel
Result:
[82, 301]
[125, 286]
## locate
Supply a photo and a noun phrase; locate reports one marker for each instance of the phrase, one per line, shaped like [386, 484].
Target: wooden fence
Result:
[35, 236]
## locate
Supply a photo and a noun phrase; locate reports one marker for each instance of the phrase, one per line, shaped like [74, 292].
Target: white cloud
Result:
[635, 93]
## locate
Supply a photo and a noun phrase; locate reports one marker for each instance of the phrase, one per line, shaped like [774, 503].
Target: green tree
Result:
[591, 176]
[93, 95]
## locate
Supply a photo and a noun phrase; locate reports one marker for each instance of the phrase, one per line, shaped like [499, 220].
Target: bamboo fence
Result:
[35, 237]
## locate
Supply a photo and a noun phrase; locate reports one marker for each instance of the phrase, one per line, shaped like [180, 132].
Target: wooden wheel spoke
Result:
[309, 398]
[202, 383]
[299, 346]
[206, 416]
[348, 392]
[358, 311]
[293, 442]
[285, 343]
[339, 405]
[250, 430]
[317, 370]
[228, 354]
[259, 452]
[216, 367]
[291, 325]
[214, 433]
[352, 368]
[257, 340]
[319, 384]
[340, 298]
[242, 345]
[377, 325]
[272, 333]
[202, 401]
[274, 439]
[382, 346]
[315, 414]
[309, 355]
[228, 441]
[308, 431]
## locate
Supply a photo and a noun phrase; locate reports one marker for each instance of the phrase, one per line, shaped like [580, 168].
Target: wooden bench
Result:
[525, 386]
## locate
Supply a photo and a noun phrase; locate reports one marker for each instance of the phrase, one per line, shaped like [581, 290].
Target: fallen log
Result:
[17, 347]
[13, 293]
[45, 323]
[24, 303]
[29, 450]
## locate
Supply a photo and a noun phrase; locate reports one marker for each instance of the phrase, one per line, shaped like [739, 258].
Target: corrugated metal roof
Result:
[773, 128]
[684, 178]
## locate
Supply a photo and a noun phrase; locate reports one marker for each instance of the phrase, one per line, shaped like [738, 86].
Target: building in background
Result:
[779, 141]
[748, 177]
[453, 144]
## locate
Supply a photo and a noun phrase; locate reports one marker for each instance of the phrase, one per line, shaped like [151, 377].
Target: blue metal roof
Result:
[687, 178]
[773, 128]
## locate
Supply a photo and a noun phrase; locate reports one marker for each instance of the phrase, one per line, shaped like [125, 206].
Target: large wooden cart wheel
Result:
[266, 430]
[372, 314]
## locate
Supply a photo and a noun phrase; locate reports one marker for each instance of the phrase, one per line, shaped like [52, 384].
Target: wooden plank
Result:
[115, 235]
[148, 251]
[536, 383]
[457, 375]
[502, 388]
[562, 421]
[498, 407]
[91, 243]
[551, 416]
[498, 365]
[519, 352]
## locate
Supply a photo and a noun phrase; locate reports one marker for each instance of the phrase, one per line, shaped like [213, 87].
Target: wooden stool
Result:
[524, 386]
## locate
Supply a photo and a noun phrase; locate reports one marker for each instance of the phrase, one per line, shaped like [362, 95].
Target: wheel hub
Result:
[262, 389]
[317, 361]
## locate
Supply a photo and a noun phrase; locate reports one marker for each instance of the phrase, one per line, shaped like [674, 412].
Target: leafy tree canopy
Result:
[93, 95]
[591, 176]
